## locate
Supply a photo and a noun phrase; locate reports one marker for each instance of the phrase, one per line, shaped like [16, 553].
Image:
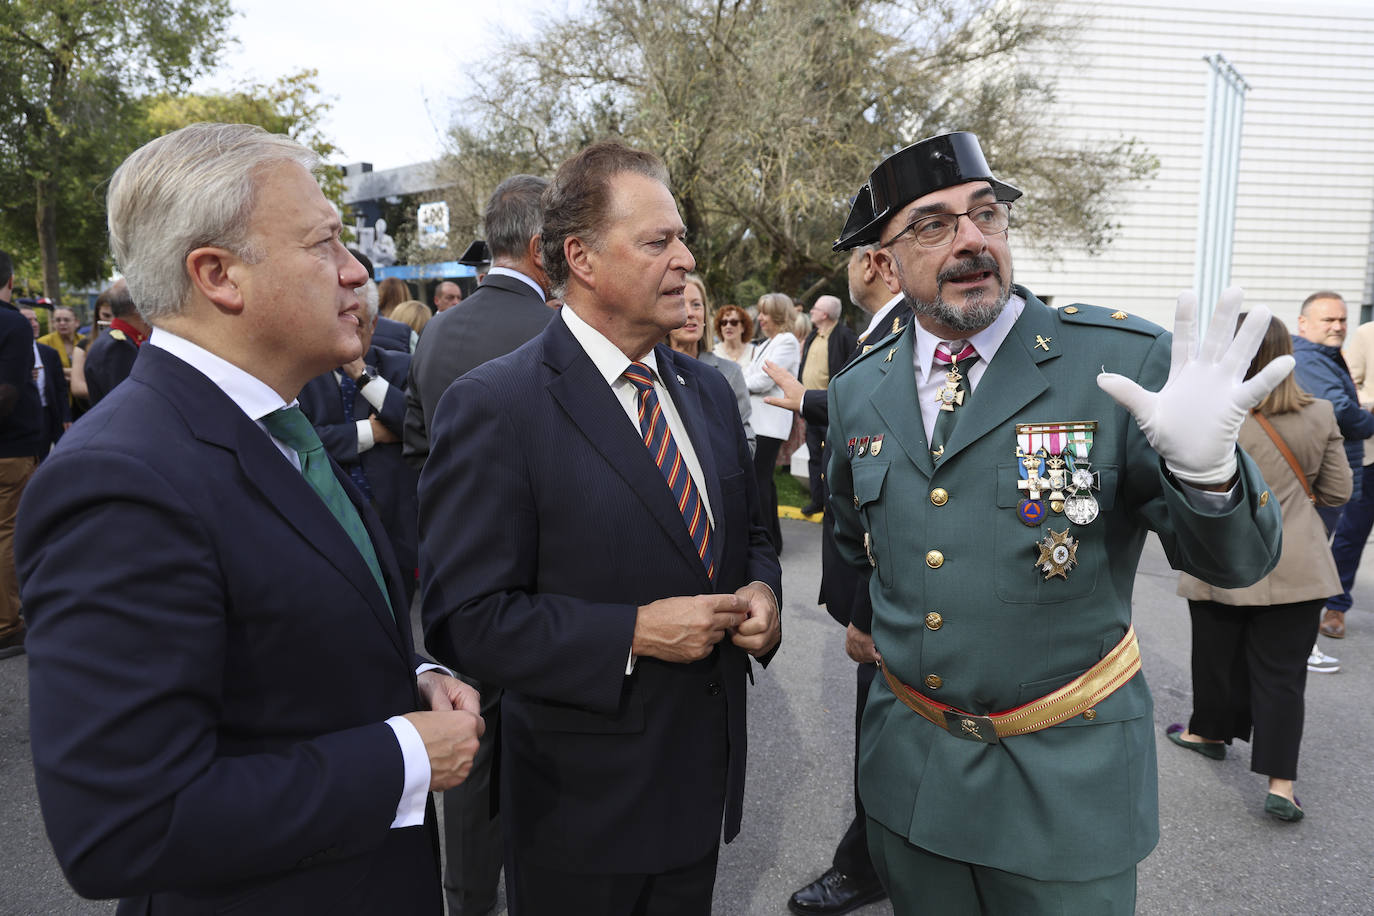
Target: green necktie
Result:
[290, 426]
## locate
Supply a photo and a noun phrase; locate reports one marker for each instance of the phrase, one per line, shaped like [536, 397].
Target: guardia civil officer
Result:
[1000, 485]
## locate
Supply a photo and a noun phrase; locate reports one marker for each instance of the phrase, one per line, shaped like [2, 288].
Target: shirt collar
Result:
[882, 314]
[508, 272]
[609, 359]
[986, 341]
[252, 395]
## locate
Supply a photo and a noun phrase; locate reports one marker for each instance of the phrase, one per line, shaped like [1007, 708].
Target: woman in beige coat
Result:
[1250, 645]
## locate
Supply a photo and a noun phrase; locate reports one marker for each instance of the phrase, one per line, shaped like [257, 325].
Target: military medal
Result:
[1057, 475]
[1068, 476]
[1081, 507]
[950, 394]
[852, 442]
[1031, 511]
[863, 447]
[1058, 554]
[875, 446]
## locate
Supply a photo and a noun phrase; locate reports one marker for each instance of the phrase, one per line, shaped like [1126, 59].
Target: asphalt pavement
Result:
[1219, 854]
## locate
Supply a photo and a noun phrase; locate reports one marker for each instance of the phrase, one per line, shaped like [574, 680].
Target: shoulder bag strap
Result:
[1283, 448]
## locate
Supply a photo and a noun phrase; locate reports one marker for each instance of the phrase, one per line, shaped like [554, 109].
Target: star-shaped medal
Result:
[1058, 554]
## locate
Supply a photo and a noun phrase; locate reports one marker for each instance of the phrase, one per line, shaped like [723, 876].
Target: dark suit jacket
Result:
[58, 410]
[208, 709]
[544, 524]
[499, 316]
[21, 430]
[844, 588]
[392, 335]
[839, 347]
[109, 361]
[393, 481]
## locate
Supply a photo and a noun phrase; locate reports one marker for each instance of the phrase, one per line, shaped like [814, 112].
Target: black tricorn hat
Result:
[476, 254]
[913, 172]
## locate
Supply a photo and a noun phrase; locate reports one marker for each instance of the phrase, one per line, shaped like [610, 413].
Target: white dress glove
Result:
[1194, 420]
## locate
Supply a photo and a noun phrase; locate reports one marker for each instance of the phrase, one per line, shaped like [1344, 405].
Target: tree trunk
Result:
[46, 219]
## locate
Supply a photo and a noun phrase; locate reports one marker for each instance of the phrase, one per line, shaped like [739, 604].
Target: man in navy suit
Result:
[615, 593]
[52, 386]
[21, 442]
[233, 722]
[365, 439]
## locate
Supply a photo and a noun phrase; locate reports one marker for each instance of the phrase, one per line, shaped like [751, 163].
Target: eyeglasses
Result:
[729, 322]
[940, 229]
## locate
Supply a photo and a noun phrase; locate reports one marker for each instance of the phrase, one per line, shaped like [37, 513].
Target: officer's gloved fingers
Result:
[1128, 394]
[1185, 333]
[1248, 339]
[1266, 380]
[1222, 329]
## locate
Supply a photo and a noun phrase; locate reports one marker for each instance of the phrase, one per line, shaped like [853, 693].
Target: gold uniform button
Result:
[1264, 498]
[934, 621]
[1071, 310]
[933, 681]
[856, 502]
[939, 496]
[935, 559]
[1090, 714]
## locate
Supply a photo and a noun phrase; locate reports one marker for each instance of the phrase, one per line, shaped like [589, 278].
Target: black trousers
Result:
[535, 890]
[765, 457]
[852, 856]
[1250, 673]
[815, 435]
[472, 835]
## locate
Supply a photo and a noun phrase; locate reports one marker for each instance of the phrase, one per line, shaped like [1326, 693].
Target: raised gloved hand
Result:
[1194, 420]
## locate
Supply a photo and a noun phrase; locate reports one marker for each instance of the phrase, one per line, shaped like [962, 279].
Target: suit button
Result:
[935, 559]
[1264, 498]
[934, 621]
[933, 681]
[1090, 714]
[939, 496]
[856, 502]
[1071, 310]
[713, 689]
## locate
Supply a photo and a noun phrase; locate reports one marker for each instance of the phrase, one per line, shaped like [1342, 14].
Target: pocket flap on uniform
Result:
[868, 481]
[1126, 702]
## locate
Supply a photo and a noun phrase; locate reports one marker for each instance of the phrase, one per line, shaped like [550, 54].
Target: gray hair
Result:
[367, 295]
[189, 189]
[830, 305]
[514, 215]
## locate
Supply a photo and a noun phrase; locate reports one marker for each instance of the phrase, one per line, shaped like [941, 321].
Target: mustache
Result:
[974, 264]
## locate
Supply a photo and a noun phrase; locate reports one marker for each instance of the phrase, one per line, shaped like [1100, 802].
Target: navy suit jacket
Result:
[391, 335]
[208, 703]
[499, 316]
[21, 430]
[109, 360]
[393, 481]
[544, 524]
[58, 410]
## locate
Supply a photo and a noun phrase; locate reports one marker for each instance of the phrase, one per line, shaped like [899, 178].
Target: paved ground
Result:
[1219, 853]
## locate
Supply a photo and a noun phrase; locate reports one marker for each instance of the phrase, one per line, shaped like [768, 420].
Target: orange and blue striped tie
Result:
[653, 425]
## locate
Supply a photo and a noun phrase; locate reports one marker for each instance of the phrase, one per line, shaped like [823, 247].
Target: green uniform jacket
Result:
[1079, 800]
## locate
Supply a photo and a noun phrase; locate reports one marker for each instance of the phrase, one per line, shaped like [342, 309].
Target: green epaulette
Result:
[1101, 317]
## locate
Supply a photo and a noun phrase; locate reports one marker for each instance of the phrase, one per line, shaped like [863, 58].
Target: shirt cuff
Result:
[375, 393]
[410, 810]
[365, 438]
[431, 666]
[1210, 501]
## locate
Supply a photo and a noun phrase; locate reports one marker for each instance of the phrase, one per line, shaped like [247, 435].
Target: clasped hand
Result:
[1193, 422]
[685, 629]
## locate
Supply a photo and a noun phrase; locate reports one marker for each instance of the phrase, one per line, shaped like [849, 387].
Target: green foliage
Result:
[771, 113]
[70, 71]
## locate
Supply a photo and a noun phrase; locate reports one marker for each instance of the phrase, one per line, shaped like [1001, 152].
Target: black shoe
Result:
[811, 508]
[12, 645]
[833, 893]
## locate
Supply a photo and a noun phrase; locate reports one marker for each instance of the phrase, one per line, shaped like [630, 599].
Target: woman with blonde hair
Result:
[772, 425]
[694, 339]
[1250, 645]
[412, 312]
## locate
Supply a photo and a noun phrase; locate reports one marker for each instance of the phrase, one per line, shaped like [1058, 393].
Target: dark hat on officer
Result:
[477, 254]
[911, 173]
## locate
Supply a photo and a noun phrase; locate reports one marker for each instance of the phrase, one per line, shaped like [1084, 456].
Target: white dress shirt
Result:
[257, 399]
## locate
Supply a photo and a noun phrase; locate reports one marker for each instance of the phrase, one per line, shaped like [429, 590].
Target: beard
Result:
[977, 311]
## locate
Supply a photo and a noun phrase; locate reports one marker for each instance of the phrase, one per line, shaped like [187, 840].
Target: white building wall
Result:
[1305, 196]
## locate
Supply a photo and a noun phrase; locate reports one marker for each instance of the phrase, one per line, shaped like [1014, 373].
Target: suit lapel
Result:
[1012, 380]
[215, 419]
[896, 400]
[583, 394]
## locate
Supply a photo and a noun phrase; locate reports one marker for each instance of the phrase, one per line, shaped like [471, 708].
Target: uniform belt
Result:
[1074, 698]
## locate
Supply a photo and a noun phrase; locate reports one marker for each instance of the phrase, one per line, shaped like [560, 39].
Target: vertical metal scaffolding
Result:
[1220, 169]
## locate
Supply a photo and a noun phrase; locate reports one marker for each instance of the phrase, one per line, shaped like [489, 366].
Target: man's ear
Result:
[579, 257]
[535, 251]
[885, 266]
[212, 273]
